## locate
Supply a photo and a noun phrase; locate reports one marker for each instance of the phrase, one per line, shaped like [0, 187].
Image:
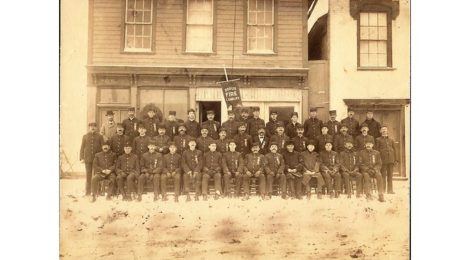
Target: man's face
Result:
[182, 130]
[131, 114]
[290, 148]
[171, 117]
[300, 131]
[151, 113]
[232, 146]
[324, 130]
[242, 129]
[120, 130]
[280, 130]
[172, 149]
[344, 130]
[255, 149]
[212, 147]
[369, 115]
[161, 131]
[313, 113]
[384, 131]
[142, 131]
[110, 117]
[245, 115]
[273, 148]
[274, 117]
[369, 146]
[192, 145]
[210, 116]
[222, 134]
[348, 145]
[231, 116]
[152, 148]
[261, 132]
[328, 146]
[127, 149]
[364, 130]
[310, 147]
[351, 114]
[191, 115]
[333, 117]
[256, 113]
[92, 128]
[204, 132]
[105, 148]
[294, 119]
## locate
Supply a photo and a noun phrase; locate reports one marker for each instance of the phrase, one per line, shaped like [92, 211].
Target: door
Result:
[204, 106]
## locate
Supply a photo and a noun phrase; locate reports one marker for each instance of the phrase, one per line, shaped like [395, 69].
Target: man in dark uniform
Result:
[254, 168]
[131, 124]
[272, 124]
[329, 166]
[363, 138]
[231, 125]
[311, 166]
[204, 140]
[294, 167]
[291, 128]
[222, 142]
[151, 166]
[386, 147]
[300, 141]
[370, 165]
[127, 169]
[171, 125]
[243, 140]
[104, 165]
[192, 165]
[349, 165]
[91, 145]
[372, 124]
[262, 140]
[342, 138]
[151, 123]
[324, 138]
[171, 169]
[141, 142]
[212, 125]
[280, 138]
[212, 168]
[118, 140]
[313, 125]
[244, 119]
[274, 169]
[351, 123]
[193, 128]
[255, 123]
[182, 139]
[162, 140]
[233, 166]
[333, 124]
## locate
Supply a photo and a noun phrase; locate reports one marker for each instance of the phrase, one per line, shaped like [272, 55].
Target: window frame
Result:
[214, 30]
[151, 50]
[245, 30]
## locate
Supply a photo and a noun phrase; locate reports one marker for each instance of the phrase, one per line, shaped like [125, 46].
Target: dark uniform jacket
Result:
[329, 161]
[172, 163]
[293, 160]
[322, 140]
[151, 125]
[222, 145]
[370, 160]
[311, 161]
[245, 122]
[117, 143]
[231, 126]
[300, 143]
[202, 143]
[361, 141]
[91, 145]
[281, 141]
[162, 143]
[104, 161]
[213, 127]
[140, 145]
[243, 142]
[312, 127]
[374, 127]
[340, 140]
[291, 129]
[192, 128]
[333, 127]
[192, 161]
[131, 126]
[386, 147]
[271, 127]
[353, 126]
[127, 164]
[274, 163]
[254, 162]
[171, 128]
[213, 162]
[349, 161]
[232, 162]
[151, 163]
[263, 145]
[254, 124]
[181, 142]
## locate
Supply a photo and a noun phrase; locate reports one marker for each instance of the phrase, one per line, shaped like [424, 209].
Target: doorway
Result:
[204, 106]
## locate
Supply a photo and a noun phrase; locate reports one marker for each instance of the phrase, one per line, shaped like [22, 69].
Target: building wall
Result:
[169, 50]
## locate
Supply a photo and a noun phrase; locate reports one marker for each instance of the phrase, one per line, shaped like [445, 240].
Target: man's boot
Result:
[176, 198]
[188, 198]
[349, 195]
[332, 194]
[139, 197]
[319, 195]
[164, 198]
[309, 195]
[368, 197]
[284, 196]
[93, 198]
[246, 197]
[155, 197]
[381, 198]
[204, 197]
[196, 198]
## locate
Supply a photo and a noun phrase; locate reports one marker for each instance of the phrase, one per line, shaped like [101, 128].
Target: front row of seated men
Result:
[292, 171]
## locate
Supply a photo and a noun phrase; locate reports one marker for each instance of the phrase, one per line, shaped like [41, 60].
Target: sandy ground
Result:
[233, 229]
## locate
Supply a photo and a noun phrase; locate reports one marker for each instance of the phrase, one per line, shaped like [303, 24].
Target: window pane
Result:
[130, 30]
[176, 100]
[251, 5]
[373, 19]
[260, 44]
[268, 5]
[364, 47]
[251, 17]
[364, 33]
[260, 18]
[373, 59]
[147, 16]
[382, 17]
[268, 18]
[147, 42]
[373, 34]
[147, 30]
[382, 60]
[382, 33]
[199, 12]
[382, 47]
[138, 30]
[251, 31]
[364, 60]
[114, 95]
[139, 16]
[138, 42]
[139, 4]
[372, 47]
[364, 19]
[251, 43]
[199, 38]
[268, 44]
[130, 16]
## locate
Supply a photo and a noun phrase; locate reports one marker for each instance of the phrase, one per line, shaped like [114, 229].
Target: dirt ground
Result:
[233, 229]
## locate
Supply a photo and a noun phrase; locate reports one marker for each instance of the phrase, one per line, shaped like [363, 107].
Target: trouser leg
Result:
[320, 182]
[218, 182]
[226, 184]
[205, 183]
[380, 186]
[269, 183]
[283, 183]
[198, 183]
[238, 184]
[298, 186]
[347, 183]
[89, 174]
[328, 182]
[262, 184]
[366, 179]
[95, 184]
[121, 178]
[186, 182]
[387, 174]
[111, 184]
[156, 184]
[177, 183]
[131, 182]
[163, 181]
[359, 183]
[246, 184]
[337, 178]
[141, 182]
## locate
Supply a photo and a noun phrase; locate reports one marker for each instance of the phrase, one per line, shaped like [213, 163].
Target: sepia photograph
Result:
[235, 129]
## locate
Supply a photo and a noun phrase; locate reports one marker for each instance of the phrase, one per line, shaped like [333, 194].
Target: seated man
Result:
[151, 166]
[311, 164]
[293, 170]
[370, 165]
[192, 166]
[161, 140]
[275, 170]
[349, 165]
[329, 165]
[233, 165]
[104, 165]
[212, 169]
[254, 168]
[127, 169]
[171, 169]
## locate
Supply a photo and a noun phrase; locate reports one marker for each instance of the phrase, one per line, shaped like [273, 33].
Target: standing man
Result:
[329, 165]
[127, 169]
[313, 125]
[104, 165]
[275, 170]
[291, 128]
[204, 140]
[262, 140]
[324, 138]
[243, 140]
[294, 166]
[108, 128]
[272, 124]
[255, 123]
[370, 165]
[162, 140]
[233, 166]
[351, 123]
[192, 126]
[254, 168]
[349, 165]
[333, 124]
[231, 125]
[363, 138]
[151, 122]
[118, 140]
[374, 126]
[212, 169]
[280, 138]
[222, 142]
[141, 142]
[171, 169]
[212, 125]
[92, 143]
[151, 166]
[182, 139]
[171, 125]
[131, 124]
[342, 138]
[192, 166]
[311, 166]
[244, 119]
[300, 141]
[386, 147]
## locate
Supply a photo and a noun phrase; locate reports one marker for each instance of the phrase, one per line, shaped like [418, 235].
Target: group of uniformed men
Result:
[238, 151]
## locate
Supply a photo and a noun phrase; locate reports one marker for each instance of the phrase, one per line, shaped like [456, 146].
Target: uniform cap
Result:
[152, 142]
[350, 109]
[231, 141]
[255, 108]
[348, 141]
[142, 126]
[289, 143]
[273, 143]
[332, 112]
[343, 126]
[313, 109]
[241, 124]
[161, 126]
[191, 110]
[311, 142]
[210, 112]
[106, 143]
[128, 144]
[255, 144]
[364, 125]
[151, 109]
[280, 124]
[191, 140]
[172, 112]
[261, 129]
[109, 113]
[181, 126]
[244, 110]
[92, 124]
[294, 114]
[131, 109]
[300, 126]
[222, 129]
[119, 125]
[273, 112]
[204, 127]
[212, 142]
[230, 112]
[171, 144]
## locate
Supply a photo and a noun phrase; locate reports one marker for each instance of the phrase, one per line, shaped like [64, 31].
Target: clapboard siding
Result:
[170, 31]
